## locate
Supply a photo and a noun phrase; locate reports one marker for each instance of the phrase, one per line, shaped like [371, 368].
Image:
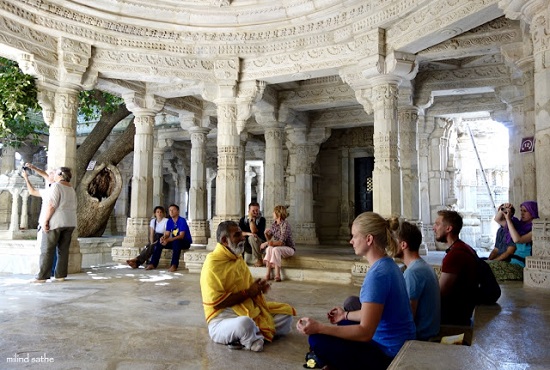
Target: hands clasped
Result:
[258, 286]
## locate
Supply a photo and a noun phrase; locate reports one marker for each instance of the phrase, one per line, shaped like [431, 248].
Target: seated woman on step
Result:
[368, 338]
[279, 242]
[522, 233]
[518, 233]
[157, 227]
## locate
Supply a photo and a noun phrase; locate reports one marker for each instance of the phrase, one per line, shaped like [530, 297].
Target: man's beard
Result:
[441, 238]
[236, 249]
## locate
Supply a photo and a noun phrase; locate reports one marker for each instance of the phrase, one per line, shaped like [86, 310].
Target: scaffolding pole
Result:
[481, 166]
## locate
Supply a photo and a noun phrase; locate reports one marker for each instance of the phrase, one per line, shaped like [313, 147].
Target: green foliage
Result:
[19, 108]
[18, 104]
[92, 103]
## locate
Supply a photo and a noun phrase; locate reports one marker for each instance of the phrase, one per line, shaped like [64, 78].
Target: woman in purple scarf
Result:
[520, 232]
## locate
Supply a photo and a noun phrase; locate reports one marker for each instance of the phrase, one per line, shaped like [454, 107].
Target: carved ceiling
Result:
[310, 54]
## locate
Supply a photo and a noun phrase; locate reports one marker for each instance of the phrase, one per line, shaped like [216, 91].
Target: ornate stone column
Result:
[467, 187]
[537, 14]
[387, 169]
[144, 107]
[14, 222]
[24, 210]
[425, 128]
[249, 174]
[304, 146]
[274, 172]
[408, 154]
[181, 188]
[259, 186]
[158, 156]
[229, 178]
[7, 165]
[438, 154]
[210, 195]
[197, 193]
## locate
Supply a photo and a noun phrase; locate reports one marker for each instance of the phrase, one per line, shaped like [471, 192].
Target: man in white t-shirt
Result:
[41, 193]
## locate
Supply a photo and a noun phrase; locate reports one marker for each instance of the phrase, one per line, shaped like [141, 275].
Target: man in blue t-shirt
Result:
[421, 281]
[176, 237]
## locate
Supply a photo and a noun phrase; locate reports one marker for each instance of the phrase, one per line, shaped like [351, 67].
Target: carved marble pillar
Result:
[408, 154]
[24, 210]
[7, 165]
[198, 211]
[514, 156]
[229, 178]
[62, 150]
[467, 188]
[158, 181]
[249, 174]
[259, 186]
[181, 189]
[387, 169]
[274, 172]
[210, 195]
[537, 14]
[438, 156]
[529, 128]
[242, 161]
[62, 138]
[304, 146]
[144, 108]
[14, 221]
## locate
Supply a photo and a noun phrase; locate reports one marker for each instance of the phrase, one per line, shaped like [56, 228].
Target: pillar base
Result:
[199, 231]
[536, 273]
[305, 233]
[137, 232]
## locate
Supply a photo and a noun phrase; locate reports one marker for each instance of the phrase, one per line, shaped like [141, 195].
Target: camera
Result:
[25, 168]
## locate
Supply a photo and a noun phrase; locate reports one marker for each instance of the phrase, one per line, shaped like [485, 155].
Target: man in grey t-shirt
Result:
[421, 281]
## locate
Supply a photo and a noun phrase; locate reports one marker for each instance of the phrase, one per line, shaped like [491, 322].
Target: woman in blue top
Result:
[521, 233]
[368, 338]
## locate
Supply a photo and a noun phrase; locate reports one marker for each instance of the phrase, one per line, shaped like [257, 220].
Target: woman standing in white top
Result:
[58, 224]
[157, 227]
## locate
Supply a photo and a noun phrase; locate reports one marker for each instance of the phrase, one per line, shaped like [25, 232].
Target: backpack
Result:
[488, 291]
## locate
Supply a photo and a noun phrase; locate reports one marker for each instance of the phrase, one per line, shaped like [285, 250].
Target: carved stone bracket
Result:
[143, 104]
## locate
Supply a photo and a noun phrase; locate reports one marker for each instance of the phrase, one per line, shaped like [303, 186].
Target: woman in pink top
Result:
[279, 242]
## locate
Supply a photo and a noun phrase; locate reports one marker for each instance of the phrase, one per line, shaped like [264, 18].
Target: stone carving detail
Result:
[332, 23]
[226, 69]
[436, 16]
[355, 137]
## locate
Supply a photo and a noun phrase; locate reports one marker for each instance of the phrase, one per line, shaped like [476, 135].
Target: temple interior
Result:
[330, 108]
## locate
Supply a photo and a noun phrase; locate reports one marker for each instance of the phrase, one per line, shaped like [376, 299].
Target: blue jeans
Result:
[176, 247]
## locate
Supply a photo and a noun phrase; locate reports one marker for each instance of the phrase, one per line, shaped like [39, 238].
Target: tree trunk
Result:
[93, 213]
[99, 188]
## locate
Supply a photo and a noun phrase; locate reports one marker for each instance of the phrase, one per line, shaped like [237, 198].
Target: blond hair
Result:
[280, 211]
[381, 230]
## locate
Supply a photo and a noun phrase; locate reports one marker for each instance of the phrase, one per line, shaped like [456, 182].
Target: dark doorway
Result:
[363, 168]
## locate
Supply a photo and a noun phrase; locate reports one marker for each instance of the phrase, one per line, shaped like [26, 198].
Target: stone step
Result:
[324, 269]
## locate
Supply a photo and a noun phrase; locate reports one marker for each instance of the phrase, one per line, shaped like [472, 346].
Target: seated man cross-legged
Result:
[176, 237]
[235, 306]
[421, 281]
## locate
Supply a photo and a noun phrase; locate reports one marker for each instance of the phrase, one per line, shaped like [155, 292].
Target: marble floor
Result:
[113, 317]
